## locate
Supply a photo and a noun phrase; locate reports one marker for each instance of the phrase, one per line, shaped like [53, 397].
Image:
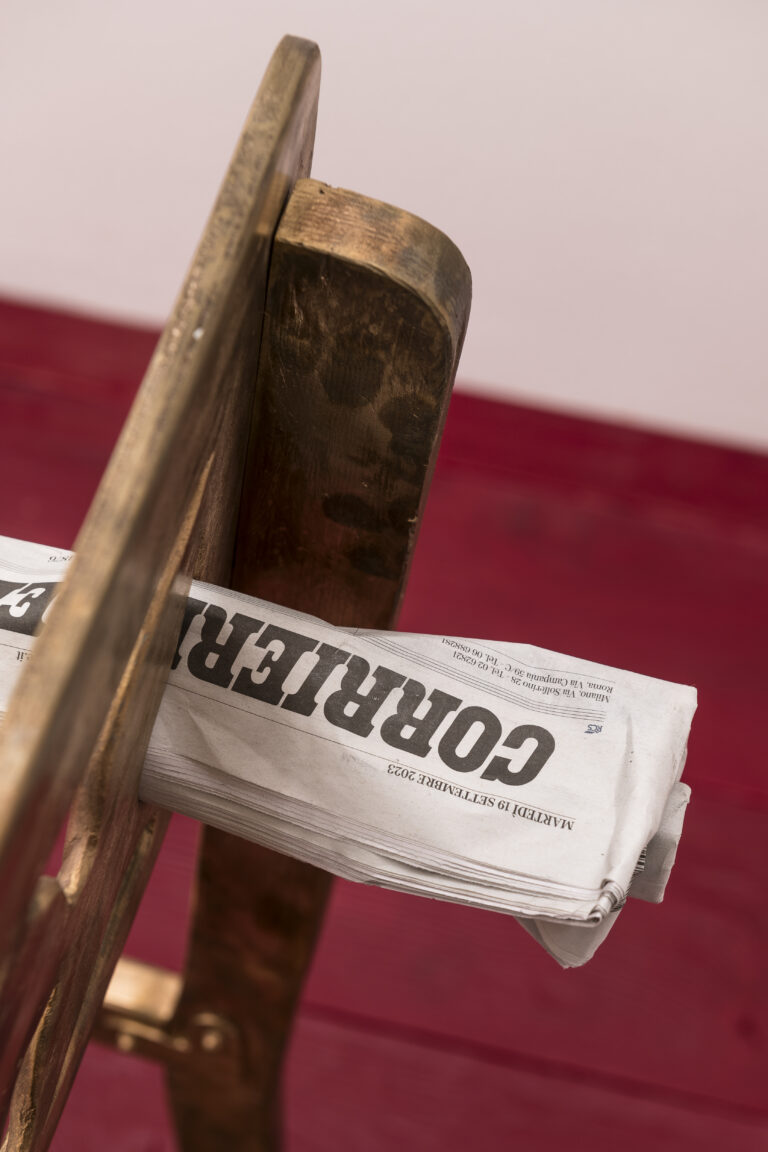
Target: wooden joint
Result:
[139, 1016]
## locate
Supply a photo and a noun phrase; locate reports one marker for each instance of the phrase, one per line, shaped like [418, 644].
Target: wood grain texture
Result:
[365, 315]
[84, 705]
[365, 320]
[376, 1092]
[652, 553]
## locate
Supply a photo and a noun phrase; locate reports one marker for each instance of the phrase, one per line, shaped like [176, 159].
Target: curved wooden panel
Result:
[366, 312]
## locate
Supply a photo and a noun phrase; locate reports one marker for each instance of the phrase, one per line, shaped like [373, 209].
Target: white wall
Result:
[603, 165]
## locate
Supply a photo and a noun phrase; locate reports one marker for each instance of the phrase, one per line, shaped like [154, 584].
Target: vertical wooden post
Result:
[365, 316]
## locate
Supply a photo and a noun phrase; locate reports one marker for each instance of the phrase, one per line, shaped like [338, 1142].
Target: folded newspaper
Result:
[493, 774]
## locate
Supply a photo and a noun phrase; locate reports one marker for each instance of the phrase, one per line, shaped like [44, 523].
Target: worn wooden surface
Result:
[366, 311]
[365, 319]
[86, 699]
[428, 1025]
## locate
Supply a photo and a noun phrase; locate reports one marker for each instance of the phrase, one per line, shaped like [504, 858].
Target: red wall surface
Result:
[426, 1025]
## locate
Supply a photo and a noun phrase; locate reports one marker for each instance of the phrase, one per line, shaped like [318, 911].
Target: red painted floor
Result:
[429, 1026]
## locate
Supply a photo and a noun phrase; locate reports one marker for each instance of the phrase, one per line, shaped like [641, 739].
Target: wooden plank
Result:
[661, 970]
[365, 316]
[159, 931]
[638, 470]
[64, 352]
[84, 705]
[684, 980]
[75, 427]
[350, 1088]
[525, 502]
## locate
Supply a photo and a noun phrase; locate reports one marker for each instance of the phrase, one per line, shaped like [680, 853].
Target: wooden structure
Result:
[282, 443]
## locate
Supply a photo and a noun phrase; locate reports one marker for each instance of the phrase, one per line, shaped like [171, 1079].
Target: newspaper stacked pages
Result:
[493, 774]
